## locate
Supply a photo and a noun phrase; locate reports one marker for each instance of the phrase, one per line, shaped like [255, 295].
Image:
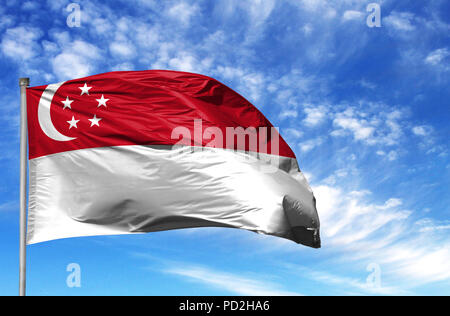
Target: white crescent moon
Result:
[45, 120]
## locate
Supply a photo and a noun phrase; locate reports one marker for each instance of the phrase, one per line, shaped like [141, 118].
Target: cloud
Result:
[346, 219]
[437, 56]
[122, 49]
[423, 130]
[307, 29]
[310, 144]
[431, 225]
[21, 43]
[259, 10]
[381, 233]
[373, 125]
[250, 83]
[391, 155]
[348, 283]
[57, 5]
[123, 67]
[400, 21]
[9, 206]
[337, 175]
[182, 12]
[360, 128]
[288, 114]
[254, 12]
[29, 6]
[77, 59]
[366, 84]
[230, 282]
[314, 115]
[352, 15]
[293, 133]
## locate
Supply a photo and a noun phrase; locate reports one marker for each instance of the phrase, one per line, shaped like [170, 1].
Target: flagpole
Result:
[23, 83]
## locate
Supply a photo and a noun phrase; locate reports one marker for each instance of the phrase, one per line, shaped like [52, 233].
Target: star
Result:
[67, 103]
[73, 123]
[102, 101]
[85, 89]
[94, 120]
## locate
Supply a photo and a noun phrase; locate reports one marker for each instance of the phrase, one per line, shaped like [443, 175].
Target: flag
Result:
[144, 151]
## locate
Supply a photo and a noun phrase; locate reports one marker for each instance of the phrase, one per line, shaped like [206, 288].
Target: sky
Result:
[365, 109]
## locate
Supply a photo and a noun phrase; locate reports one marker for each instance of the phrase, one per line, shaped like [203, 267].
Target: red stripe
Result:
[144, 108]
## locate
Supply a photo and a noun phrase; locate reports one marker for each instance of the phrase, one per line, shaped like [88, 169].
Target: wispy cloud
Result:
[230, 282]
[383, 234]
[9, 206]
[400, 21]
[345, 284]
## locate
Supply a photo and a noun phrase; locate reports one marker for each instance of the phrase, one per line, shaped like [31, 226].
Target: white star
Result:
[94, 120]
[102, 101]
[85, 89]
[73, 123]
[67, 103]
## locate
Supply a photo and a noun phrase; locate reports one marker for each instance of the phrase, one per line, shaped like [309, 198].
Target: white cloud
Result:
[78, 59]
[57, 5]
[314, 115]
[307, 29]
[250, 84]
[360, 128]
[381, 233]
[123, 67]
[391, 156]
[259, 10]
[310, 144]
[366, 84]
[232, 283]
[182, 12]
[422, 130]
[122, 49]
[400, 21]
[20, 43]
[374, 125]
[6, 21]
[254, 83]
[349, 283]
[288, 114]
[352, 15]
[185, 61]
[337, 175]
[29, 5]
[345, 219]
[292, 133]
[430, 225]
[9, 206]
[437, 56]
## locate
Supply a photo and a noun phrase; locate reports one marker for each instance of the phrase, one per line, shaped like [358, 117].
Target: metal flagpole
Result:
[23, 83]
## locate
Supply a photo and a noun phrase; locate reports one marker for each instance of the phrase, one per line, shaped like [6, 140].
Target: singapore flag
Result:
[143, 151]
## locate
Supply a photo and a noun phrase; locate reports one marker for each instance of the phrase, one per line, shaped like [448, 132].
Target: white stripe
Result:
[131, 189]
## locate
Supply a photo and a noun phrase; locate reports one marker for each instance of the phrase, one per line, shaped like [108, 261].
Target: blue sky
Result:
[366, 111]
